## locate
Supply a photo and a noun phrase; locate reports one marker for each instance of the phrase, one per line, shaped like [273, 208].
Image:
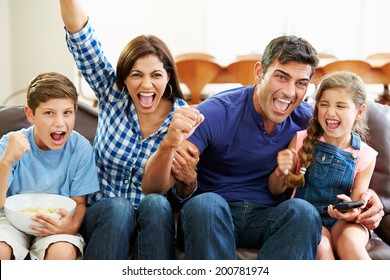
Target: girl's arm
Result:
[361, 183]
[286, 163]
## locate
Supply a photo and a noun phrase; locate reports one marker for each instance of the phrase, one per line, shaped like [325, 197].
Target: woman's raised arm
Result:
[73, 15]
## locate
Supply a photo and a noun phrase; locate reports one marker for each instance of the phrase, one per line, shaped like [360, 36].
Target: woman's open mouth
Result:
[146, 99]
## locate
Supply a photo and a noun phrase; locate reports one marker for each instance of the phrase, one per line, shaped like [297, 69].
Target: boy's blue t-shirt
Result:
[237, 154]
[70, 171]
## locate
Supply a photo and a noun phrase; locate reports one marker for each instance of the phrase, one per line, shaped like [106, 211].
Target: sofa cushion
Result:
[86, 121]
[12, 118]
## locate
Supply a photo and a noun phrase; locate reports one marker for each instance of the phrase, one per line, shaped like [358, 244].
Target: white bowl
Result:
[14, 205]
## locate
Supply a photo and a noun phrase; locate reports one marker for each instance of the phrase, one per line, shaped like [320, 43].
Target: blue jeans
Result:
[289, 231]
[156, 229]
[110, 227]
[212, 228]
[206, 224]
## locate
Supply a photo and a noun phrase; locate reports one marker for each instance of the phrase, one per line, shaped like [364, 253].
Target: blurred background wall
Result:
[33, 38]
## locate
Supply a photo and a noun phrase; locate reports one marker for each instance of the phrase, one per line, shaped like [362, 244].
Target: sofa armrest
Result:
[379, 135]
[383, 230]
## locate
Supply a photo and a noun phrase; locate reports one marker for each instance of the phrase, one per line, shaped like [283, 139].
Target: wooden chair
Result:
[242, 70]
[327, 56]
[384, 98]
[325, 59]
[359, 67]
[378, 59]
[379, 74]
[196, 70]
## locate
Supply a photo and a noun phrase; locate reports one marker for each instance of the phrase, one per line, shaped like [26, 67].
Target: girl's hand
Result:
[349, 216]
[286, 159]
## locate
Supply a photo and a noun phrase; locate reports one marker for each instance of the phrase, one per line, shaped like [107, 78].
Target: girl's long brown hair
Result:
[345, 80]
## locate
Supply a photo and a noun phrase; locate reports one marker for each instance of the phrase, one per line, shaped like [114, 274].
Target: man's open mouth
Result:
[281, 104]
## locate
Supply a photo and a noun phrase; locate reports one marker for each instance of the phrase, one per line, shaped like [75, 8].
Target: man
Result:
[238, 135]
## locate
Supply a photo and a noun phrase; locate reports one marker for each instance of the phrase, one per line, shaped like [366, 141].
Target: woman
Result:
[136, 103]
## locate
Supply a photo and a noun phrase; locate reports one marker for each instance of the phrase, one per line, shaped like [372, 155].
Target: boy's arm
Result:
[17, 146]
[79, 213]
[73, 15]
[67, 224]
[5, 170]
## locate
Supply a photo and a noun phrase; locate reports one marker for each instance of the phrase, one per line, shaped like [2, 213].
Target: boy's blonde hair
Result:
[354, 85]
[50, 85]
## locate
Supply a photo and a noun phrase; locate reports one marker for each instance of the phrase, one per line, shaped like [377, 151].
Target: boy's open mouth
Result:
[57, 136]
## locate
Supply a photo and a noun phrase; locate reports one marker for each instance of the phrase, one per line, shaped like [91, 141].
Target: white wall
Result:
[37, 43]
[5, 50]
[33, 36]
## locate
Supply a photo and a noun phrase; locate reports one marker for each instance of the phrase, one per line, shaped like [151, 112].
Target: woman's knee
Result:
[119, 204]
[115, 208]
[155, 211]
[154, 203]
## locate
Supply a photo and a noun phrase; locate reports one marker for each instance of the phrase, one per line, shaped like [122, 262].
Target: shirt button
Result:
[126, 181]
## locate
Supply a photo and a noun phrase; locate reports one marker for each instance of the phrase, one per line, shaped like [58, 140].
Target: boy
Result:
[48, 157]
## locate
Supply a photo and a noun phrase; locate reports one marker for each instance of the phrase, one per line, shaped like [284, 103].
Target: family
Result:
[253, 167]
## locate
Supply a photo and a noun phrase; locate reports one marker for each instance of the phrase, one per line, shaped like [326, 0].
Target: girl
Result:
[332, 164]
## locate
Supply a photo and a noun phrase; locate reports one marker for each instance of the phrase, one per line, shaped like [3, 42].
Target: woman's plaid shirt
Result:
[120, 151]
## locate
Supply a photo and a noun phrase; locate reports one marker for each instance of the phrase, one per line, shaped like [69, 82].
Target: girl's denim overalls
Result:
[331, 172]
